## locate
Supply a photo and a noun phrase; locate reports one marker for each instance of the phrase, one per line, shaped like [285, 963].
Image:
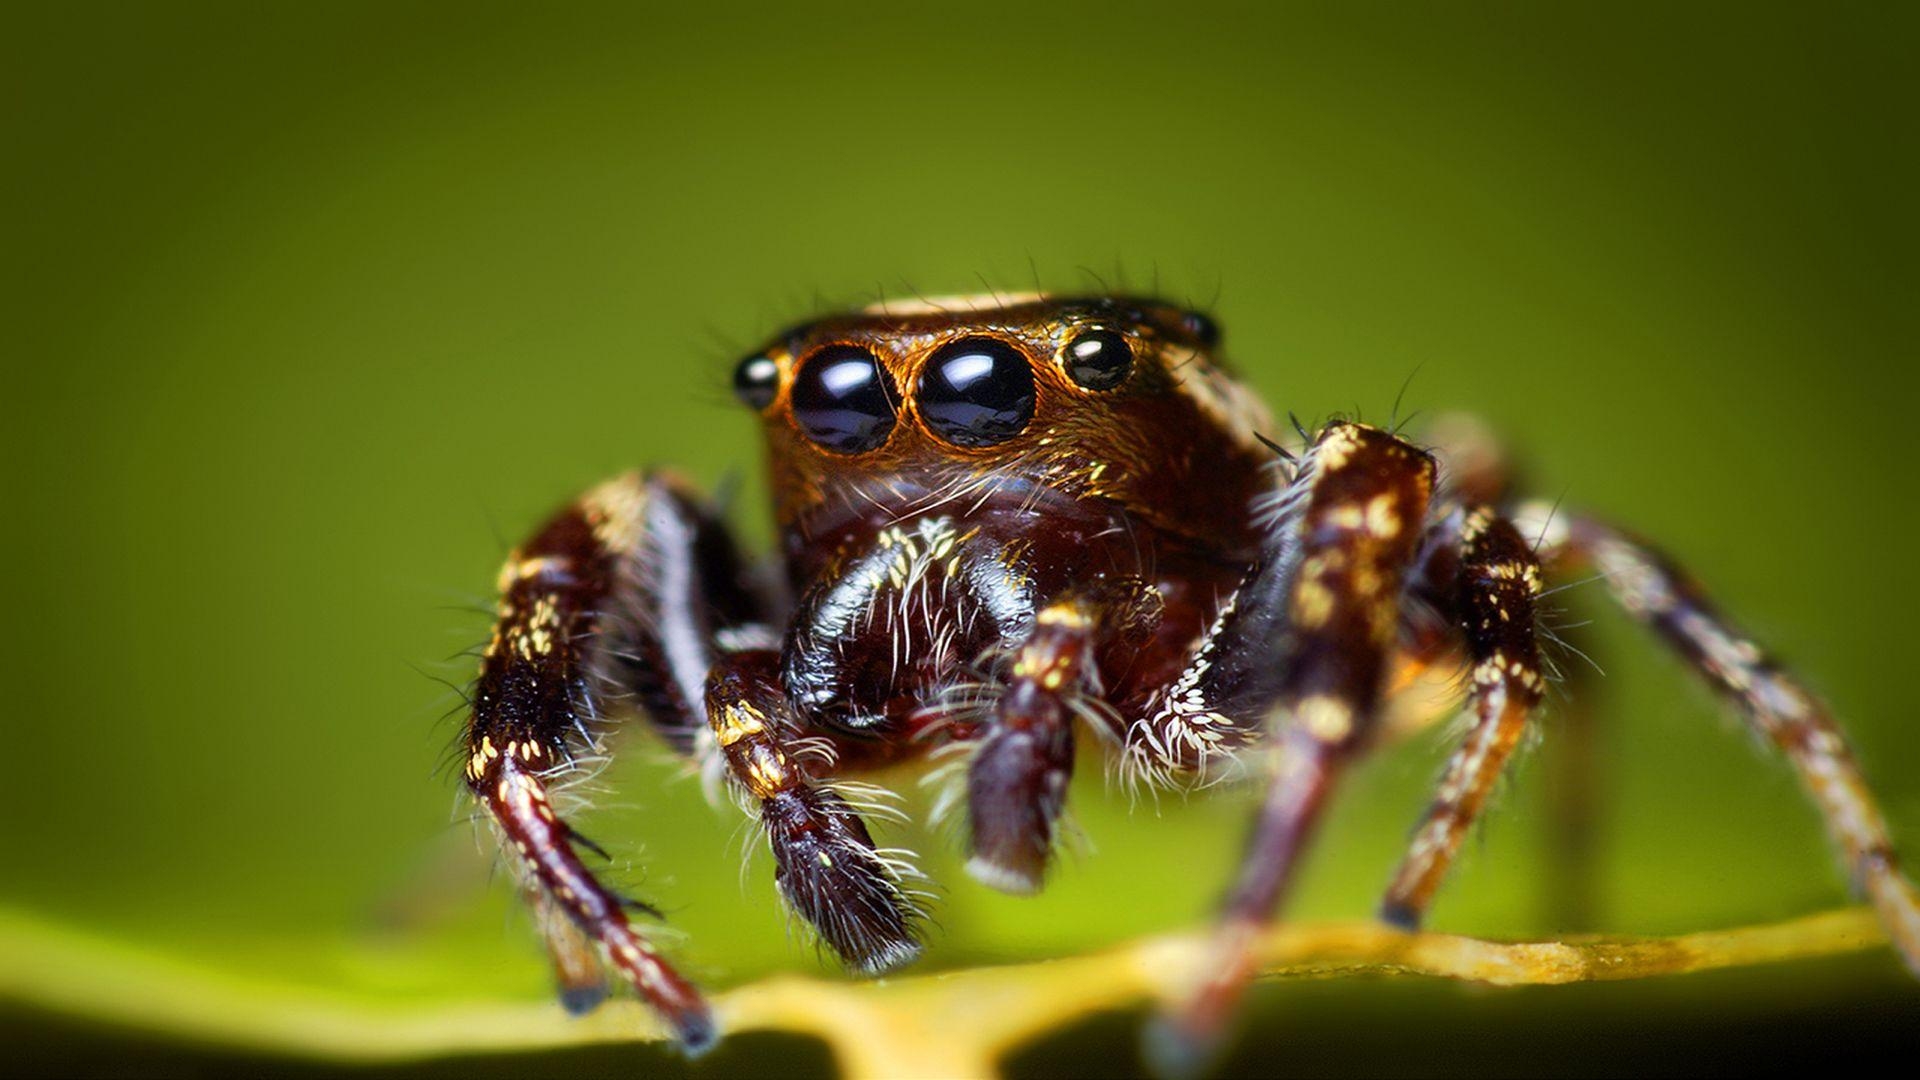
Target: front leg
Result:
[1017, 780]
[613, 602]
[825, 863]
[1350, 526]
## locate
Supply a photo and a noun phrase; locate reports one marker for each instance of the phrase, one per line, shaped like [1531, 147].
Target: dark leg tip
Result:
[581, 1000]
[695, 1032]
[1400, 916]
[1176, 1051]
[1014, 791]
[826, 868]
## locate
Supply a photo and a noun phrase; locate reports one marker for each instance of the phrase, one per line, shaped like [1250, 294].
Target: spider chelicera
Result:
[1008, 524]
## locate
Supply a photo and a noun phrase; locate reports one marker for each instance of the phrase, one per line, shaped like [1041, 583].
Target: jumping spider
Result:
[1007, 523]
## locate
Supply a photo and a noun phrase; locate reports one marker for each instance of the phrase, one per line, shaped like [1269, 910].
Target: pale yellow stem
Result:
[951, 1024]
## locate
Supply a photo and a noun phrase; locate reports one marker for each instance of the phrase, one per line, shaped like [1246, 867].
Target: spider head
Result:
[1110, 397]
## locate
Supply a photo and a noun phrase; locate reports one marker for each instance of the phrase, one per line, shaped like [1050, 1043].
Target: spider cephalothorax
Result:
[1075, 396]
[1006, 524]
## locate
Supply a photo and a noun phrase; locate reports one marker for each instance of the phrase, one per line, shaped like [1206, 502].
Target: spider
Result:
[1010, 524]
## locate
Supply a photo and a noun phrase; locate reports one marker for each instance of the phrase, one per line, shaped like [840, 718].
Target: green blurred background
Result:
[309, 310]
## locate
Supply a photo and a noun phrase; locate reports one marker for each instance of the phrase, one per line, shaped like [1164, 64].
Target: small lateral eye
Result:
[1202, 327]
[843, 399]
[756, 382]
[1099, 359]
[977, 392]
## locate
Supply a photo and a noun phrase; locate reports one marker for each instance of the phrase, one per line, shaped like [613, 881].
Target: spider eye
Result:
[1099, 359]
[1202, 328]
[756, 381]
[977, 392]
[844, 400]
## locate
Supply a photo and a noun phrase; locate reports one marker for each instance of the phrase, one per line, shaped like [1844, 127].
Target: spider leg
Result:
[613, 600]
[1478, 473]
[576, 959]
[1351, 524]
[1495, 582]
[1659, 594]
[1017, 780]
[825, 863]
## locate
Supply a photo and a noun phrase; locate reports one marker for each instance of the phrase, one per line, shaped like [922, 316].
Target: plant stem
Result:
[950, 1024]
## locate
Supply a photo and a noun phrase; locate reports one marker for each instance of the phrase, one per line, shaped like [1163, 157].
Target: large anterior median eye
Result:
[977, 392]
[843, 399]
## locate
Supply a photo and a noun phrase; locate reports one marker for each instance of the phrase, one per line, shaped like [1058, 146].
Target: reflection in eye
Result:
[843, 399]
[977, 392]
[1099, 359]
[756, 382]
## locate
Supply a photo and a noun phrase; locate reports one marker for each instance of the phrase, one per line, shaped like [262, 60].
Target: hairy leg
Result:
[1656, 592]
[1476, 471]
[1017, 781]
[1493, 584]
[611, 603]
[825, 863]
[1355, 515]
